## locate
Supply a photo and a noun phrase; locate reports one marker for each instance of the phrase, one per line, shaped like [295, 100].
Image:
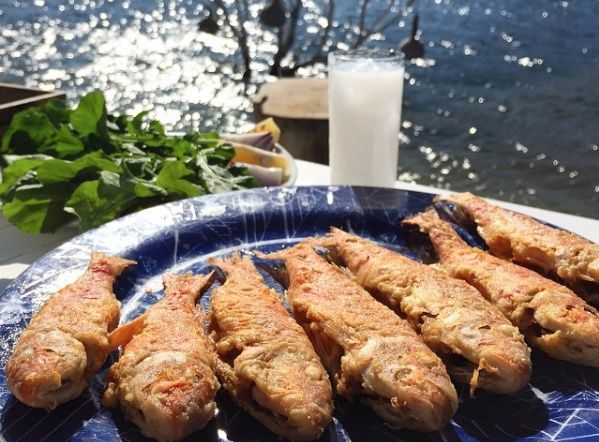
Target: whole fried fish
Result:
[476, 342]
[520, 238]
[66, 342]
[371, 353]
[265, 360]
[550, 316]
[164, 380]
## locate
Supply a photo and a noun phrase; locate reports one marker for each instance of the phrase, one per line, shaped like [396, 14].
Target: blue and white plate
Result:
[561, 402]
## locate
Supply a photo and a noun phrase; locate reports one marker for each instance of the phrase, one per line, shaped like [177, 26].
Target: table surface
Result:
[18, 250]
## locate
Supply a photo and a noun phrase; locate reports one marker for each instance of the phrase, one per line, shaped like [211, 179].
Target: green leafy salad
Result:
[61, 164]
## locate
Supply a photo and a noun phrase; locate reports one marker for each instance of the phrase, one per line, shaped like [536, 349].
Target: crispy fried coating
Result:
[371, 353]
[164, 380]
[476, 342]
[526, 241]
[66, 342]
[266, 361]
[550, 316]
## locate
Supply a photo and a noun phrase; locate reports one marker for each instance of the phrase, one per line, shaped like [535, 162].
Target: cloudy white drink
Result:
[365, 93]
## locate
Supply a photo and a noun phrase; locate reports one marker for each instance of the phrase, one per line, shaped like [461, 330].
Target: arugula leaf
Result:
[61, 164]
[145, 189]
[175, 178]
[156, 127]
[91, 208]
[209, 139]
[56, 171]
[37, 208]
[218, 179]
[112, 184]
[90, 116]
[56, 111]
[134, 126]
[67, 143]
[20, 169]
[222, 155]
[30, 132]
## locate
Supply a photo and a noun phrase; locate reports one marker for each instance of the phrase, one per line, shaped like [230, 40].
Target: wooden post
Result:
[299, 106]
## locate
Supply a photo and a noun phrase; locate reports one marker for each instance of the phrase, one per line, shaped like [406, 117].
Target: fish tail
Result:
[458, 198]
[439, 231]
[307, 244]
[337, 237]
[426, 220]
[228, 265]
[347, 249]
[336, 231]
[109, 263]
[465, 208]
[186, 285]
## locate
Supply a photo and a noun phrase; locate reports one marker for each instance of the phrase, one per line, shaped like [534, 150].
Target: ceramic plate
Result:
[561, 402]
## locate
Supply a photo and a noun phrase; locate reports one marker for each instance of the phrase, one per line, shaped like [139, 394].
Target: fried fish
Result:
[164, 380]
[477, 343]
[550, 316]
[371, 353]
[66, 342]
[522, 239]
[265, 360]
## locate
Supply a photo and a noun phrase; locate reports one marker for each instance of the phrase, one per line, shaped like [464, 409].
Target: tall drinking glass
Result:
[365, 92]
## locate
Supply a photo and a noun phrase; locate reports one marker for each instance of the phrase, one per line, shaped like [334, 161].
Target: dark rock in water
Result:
[208, 25]
[273, 14]
[412, 47]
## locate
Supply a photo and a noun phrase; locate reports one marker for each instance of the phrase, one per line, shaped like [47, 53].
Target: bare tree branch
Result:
[372, 17]
[392, 20]
[286, 37]
[361, 24]
[329, 26]
[383, 14]
[319, 55]
[239, 32]
[378, 24]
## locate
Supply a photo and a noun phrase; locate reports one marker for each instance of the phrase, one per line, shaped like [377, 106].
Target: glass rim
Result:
[378, 55]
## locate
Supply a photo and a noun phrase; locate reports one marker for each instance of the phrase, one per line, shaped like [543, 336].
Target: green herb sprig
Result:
[61, 164]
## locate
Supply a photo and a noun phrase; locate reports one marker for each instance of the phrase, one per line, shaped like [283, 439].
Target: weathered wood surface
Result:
[299, 106]
[15, 98]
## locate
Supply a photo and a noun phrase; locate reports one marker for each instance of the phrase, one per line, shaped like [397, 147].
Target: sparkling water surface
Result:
[505, 104]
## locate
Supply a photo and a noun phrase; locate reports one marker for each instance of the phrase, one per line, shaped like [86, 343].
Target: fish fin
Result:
[201, 314]
[277, 271]
[122, 335]
[438, 266]
[110, 397]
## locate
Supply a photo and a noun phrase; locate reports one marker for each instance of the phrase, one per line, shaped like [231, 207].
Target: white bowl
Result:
[292, 165]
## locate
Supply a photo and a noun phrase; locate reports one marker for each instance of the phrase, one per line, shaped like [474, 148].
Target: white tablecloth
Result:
[18, 251]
